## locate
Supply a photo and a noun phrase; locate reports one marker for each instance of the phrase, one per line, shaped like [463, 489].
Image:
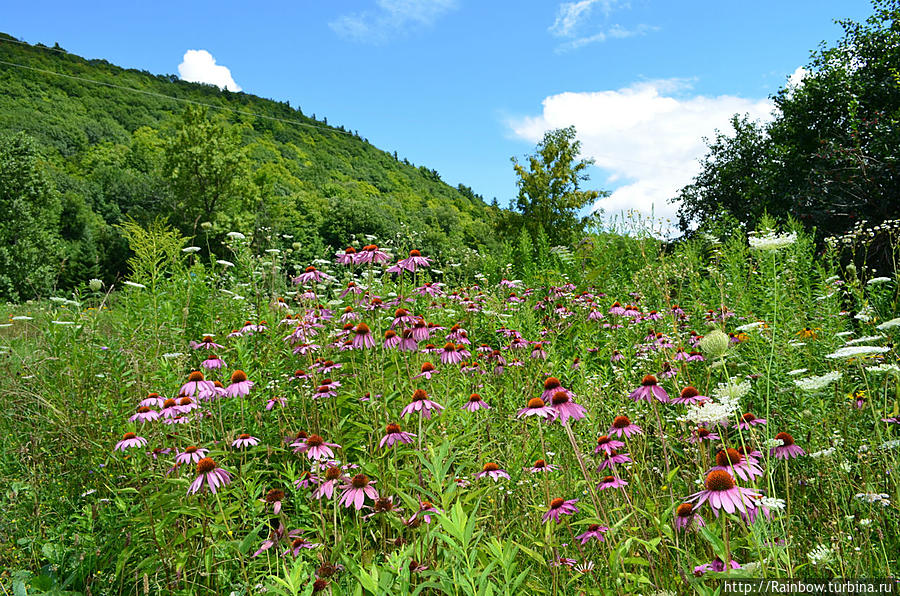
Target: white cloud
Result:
[647, 137]
[389, 18]
[199, 66]
[573, 19]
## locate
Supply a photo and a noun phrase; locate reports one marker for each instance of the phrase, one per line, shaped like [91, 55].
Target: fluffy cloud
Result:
[199, 66]
[647, 137]
[390, 17]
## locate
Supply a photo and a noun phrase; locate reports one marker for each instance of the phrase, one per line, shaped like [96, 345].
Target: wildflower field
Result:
[626, 417]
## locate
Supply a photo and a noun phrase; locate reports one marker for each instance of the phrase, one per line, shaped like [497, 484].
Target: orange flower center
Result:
[205, 465]
[360, 481]
[238, 376]
[195, 376]
[621, 422]
[719, 480]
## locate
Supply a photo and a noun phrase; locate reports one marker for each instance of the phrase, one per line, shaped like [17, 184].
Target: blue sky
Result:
[462, 85]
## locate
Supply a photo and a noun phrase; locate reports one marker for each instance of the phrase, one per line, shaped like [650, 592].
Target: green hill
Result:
[111, 144]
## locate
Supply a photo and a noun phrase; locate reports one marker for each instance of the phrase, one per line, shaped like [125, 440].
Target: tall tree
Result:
[550, 186]
[30, 204]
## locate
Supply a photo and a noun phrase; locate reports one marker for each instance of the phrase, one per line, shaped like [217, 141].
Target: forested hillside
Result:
[99, 144]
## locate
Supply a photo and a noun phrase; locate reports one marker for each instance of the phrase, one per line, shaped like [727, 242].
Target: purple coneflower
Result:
[607, 444]
[170, 409]
[788, 449]
[564, 408]
[362, 337]
[536, 407]
[311, 274]
[391, 339]
[611, 482]
[128, 441]
[622, 425]
[560, 507]
[594, 532]
[475, 403]
[702, 433]
[206, 343]
[334, 477]
[323, 391]
[347, 257]
[210, 474]
[395, 435]
[748, 420]
[274, 498]
[191, 455]
[356, 491]
[616, 356]
[244, 440]
[730, 460]
[551, 387]
[427, 371]
[422, 404]
[612, 459]
[493, 471]
[541, 466]
[449, 354]
[723, 493]
[275, 400]
[716, 566]
[689, 395]
[424, 513]
[315, 447]
[414, 261]
[298, 543]
[197, 386]
[649, 390]
[372, 254]
[213, 363]
[153, 400]
[687, 518]
[239, 384]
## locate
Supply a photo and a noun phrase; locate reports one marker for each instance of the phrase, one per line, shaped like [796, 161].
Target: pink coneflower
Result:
[311, 275]
[616, 356]
[274, 498]
[347, 257]
[541, 466]
[649, 390]
[186, 404]
[422, 404]
[362, 337]
[395, 435]
[128, 441]
[275, 400]
[153, 400]
[424, 513]
[702, 433]
[493, 471]
[716, 566]
[356, 492]
[391, 339]
[687, 518]
[315, 447]
[384, 505]
[788, 449]
[668, 371]
[144, 414]
[213, 363]
[622, 425]
[689, 395]
[275, 536]
[611, 482]
[239, 384]
[730, 460]
[323, 391]
[244, 440]
[748, 420]
[197, 386]
[307, 480]
[414, 261]
[427, 371]
[475, 403]
[210, 474]
[298, 543]
[616, 309]
[349, 315]
[612, 459]
[326, 366]
[594, 532]
[449, 355]
[536, 407]
[607, 444]
[551, 387]
[206, 343]
[723, 493]
[334, 477]
[170, 409]
[407, 343]
[564, 408]
[372, 254]
[191, 455]
[560, 507]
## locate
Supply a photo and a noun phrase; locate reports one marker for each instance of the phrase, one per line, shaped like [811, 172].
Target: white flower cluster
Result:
[892, 324]
[862, 340]
[812, 384]
[749, 326]
[852, 351]
[878, 280]
[771, 240]
[821, 555]
[773, 503]
[773, 443]
[892, 444]
[884, 369]
[870, 498]
[798, 371]
[134, 284]
[865, 314]
[731, 391]
[823, 453]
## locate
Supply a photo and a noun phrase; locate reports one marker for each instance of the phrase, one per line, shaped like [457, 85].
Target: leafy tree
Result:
[550, 194]
[30, 204]
[831, 155]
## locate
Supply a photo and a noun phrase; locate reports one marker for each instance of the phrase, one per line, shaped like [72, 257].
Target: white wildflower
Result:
[865, 314]
[823, 453]
[771, 240]
[172, 355]
[862, 340]
[773, 503]
[190, 249]
[892, 324]
[892, 444]
[749, 326]
[878, 280]
[236, 236]
[852, 351]
[21, 318]
[63, 322]
[865, 522]
[225, 263]
[811, 384]
[798, 371]
[821, 555]
[843, 334]
[134, 284]
[773, 443]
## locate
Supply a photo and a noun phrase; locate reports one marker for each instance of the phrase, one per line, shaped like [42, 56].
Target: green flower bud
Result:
[714, 344]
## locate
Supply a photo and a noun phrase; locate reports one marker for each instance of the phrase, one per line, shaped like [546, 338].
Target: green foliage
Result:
[550, 194]
[829, 157]
[29, 237]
